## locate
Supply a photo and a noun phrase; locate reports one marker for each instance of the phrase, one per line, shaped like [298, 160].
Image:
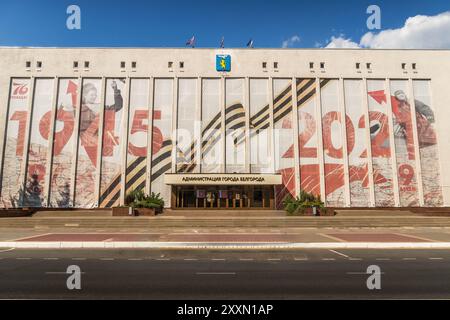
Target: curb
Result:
[210, 245]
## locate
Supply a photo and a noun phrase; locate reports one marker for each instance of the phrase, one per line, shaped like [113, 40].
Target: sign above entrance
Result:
[222, 179]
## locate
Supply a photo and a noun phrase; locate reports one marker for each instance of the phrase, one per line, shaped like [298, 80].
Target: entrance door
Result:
[223, 197]
[262, 197]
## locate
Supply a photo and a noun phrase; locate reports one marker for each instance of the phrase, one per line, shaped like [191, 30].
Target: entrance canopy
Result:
[232, 179]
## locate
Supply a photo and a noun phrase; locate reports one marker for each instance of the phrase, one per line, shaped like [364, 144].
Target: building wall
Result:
[86, 136]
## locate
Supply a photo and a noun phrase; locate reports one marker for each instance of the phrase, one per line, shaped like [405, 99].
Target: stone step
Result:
[171, 222]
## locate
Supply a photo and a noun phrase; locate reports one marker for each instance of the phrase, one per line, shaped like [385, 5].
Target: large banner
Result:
[88, 141]
[110, 178]
[380, 143]
[283, 139]
[308, 135]
[428, 148]
[332, 126]
[187, 127]
[12, 190]
[138, 125]
[404, 143]
[38, 146]
[162, 137]
[260, 154]
[64, 141]
[356, 143]
[212, 141]
[235, 115]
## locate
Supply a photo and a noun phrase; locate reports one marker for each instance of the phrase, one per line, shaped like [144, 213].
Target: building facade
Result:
[224, 128]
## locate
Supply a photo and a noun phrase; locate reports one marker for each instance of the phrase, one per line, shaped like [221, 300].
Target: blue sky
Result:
[169, 23]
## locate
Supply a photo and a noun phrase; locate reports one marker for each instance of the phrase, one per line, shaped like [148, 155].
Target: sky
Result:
[270, 23]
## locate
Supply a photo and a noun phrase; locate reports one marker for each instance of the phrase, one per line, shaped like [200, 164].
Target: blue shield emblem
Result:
[223, 62]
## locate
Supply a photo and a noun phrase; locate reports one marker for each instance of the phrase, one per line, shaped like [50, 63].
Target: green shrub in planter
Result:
[298, 205]
[153, 201]
[134, 196]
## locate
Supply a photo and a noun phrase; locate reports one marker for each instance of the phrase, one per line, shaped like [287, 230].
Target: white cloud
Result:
[341, 42]
[290, 42]
[419, 32]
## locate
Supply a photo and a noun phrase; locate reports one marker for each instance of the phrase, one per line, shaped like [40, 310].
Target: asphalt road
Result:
[156, 274]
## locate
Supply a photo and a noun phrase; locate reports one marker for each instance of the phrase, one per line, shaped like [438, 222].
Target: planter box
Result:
[122, 212]
[145, 212]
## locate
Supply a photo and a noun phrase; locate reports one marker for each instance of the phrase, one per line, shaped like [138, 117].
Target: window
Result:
[75, 64]
[275, 65]
[368, 65]
[358, 65]
[311, 65]
[28, 64]
[170, 64]
[122, 64]
[86, 64]
[414, 66]
[181, 64]
[133, 64]
[322, 65]
[264, 65]
[39, 64]
[403, 66]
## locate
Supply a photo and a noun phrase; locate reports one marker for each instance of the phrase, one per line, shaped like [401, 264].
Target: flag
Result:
[222, 42]
[250, 44]
[191, 42]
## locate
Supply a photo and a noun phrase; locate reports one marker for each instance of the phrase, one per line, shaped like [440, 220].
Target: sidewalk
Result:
[253, 232]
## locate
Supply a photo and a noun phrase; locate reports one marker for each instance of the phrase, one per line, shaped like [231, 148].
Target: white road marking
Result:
[328, 259]
[300, 259]
[134, 259]
[23, 258]
[273, 259]
[382, 259]
[215, 273]
[436, 258]
[339, 253]
[107, 259]
[11, 249]
[160, 259]
[218, 259]
[51, 258]
[246, 259]
[355, 259]
[409, 259]
[190, 259]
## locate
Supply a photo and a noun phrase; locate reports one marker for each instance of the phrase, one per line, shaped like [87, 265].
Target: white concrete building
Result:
[231, 128]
